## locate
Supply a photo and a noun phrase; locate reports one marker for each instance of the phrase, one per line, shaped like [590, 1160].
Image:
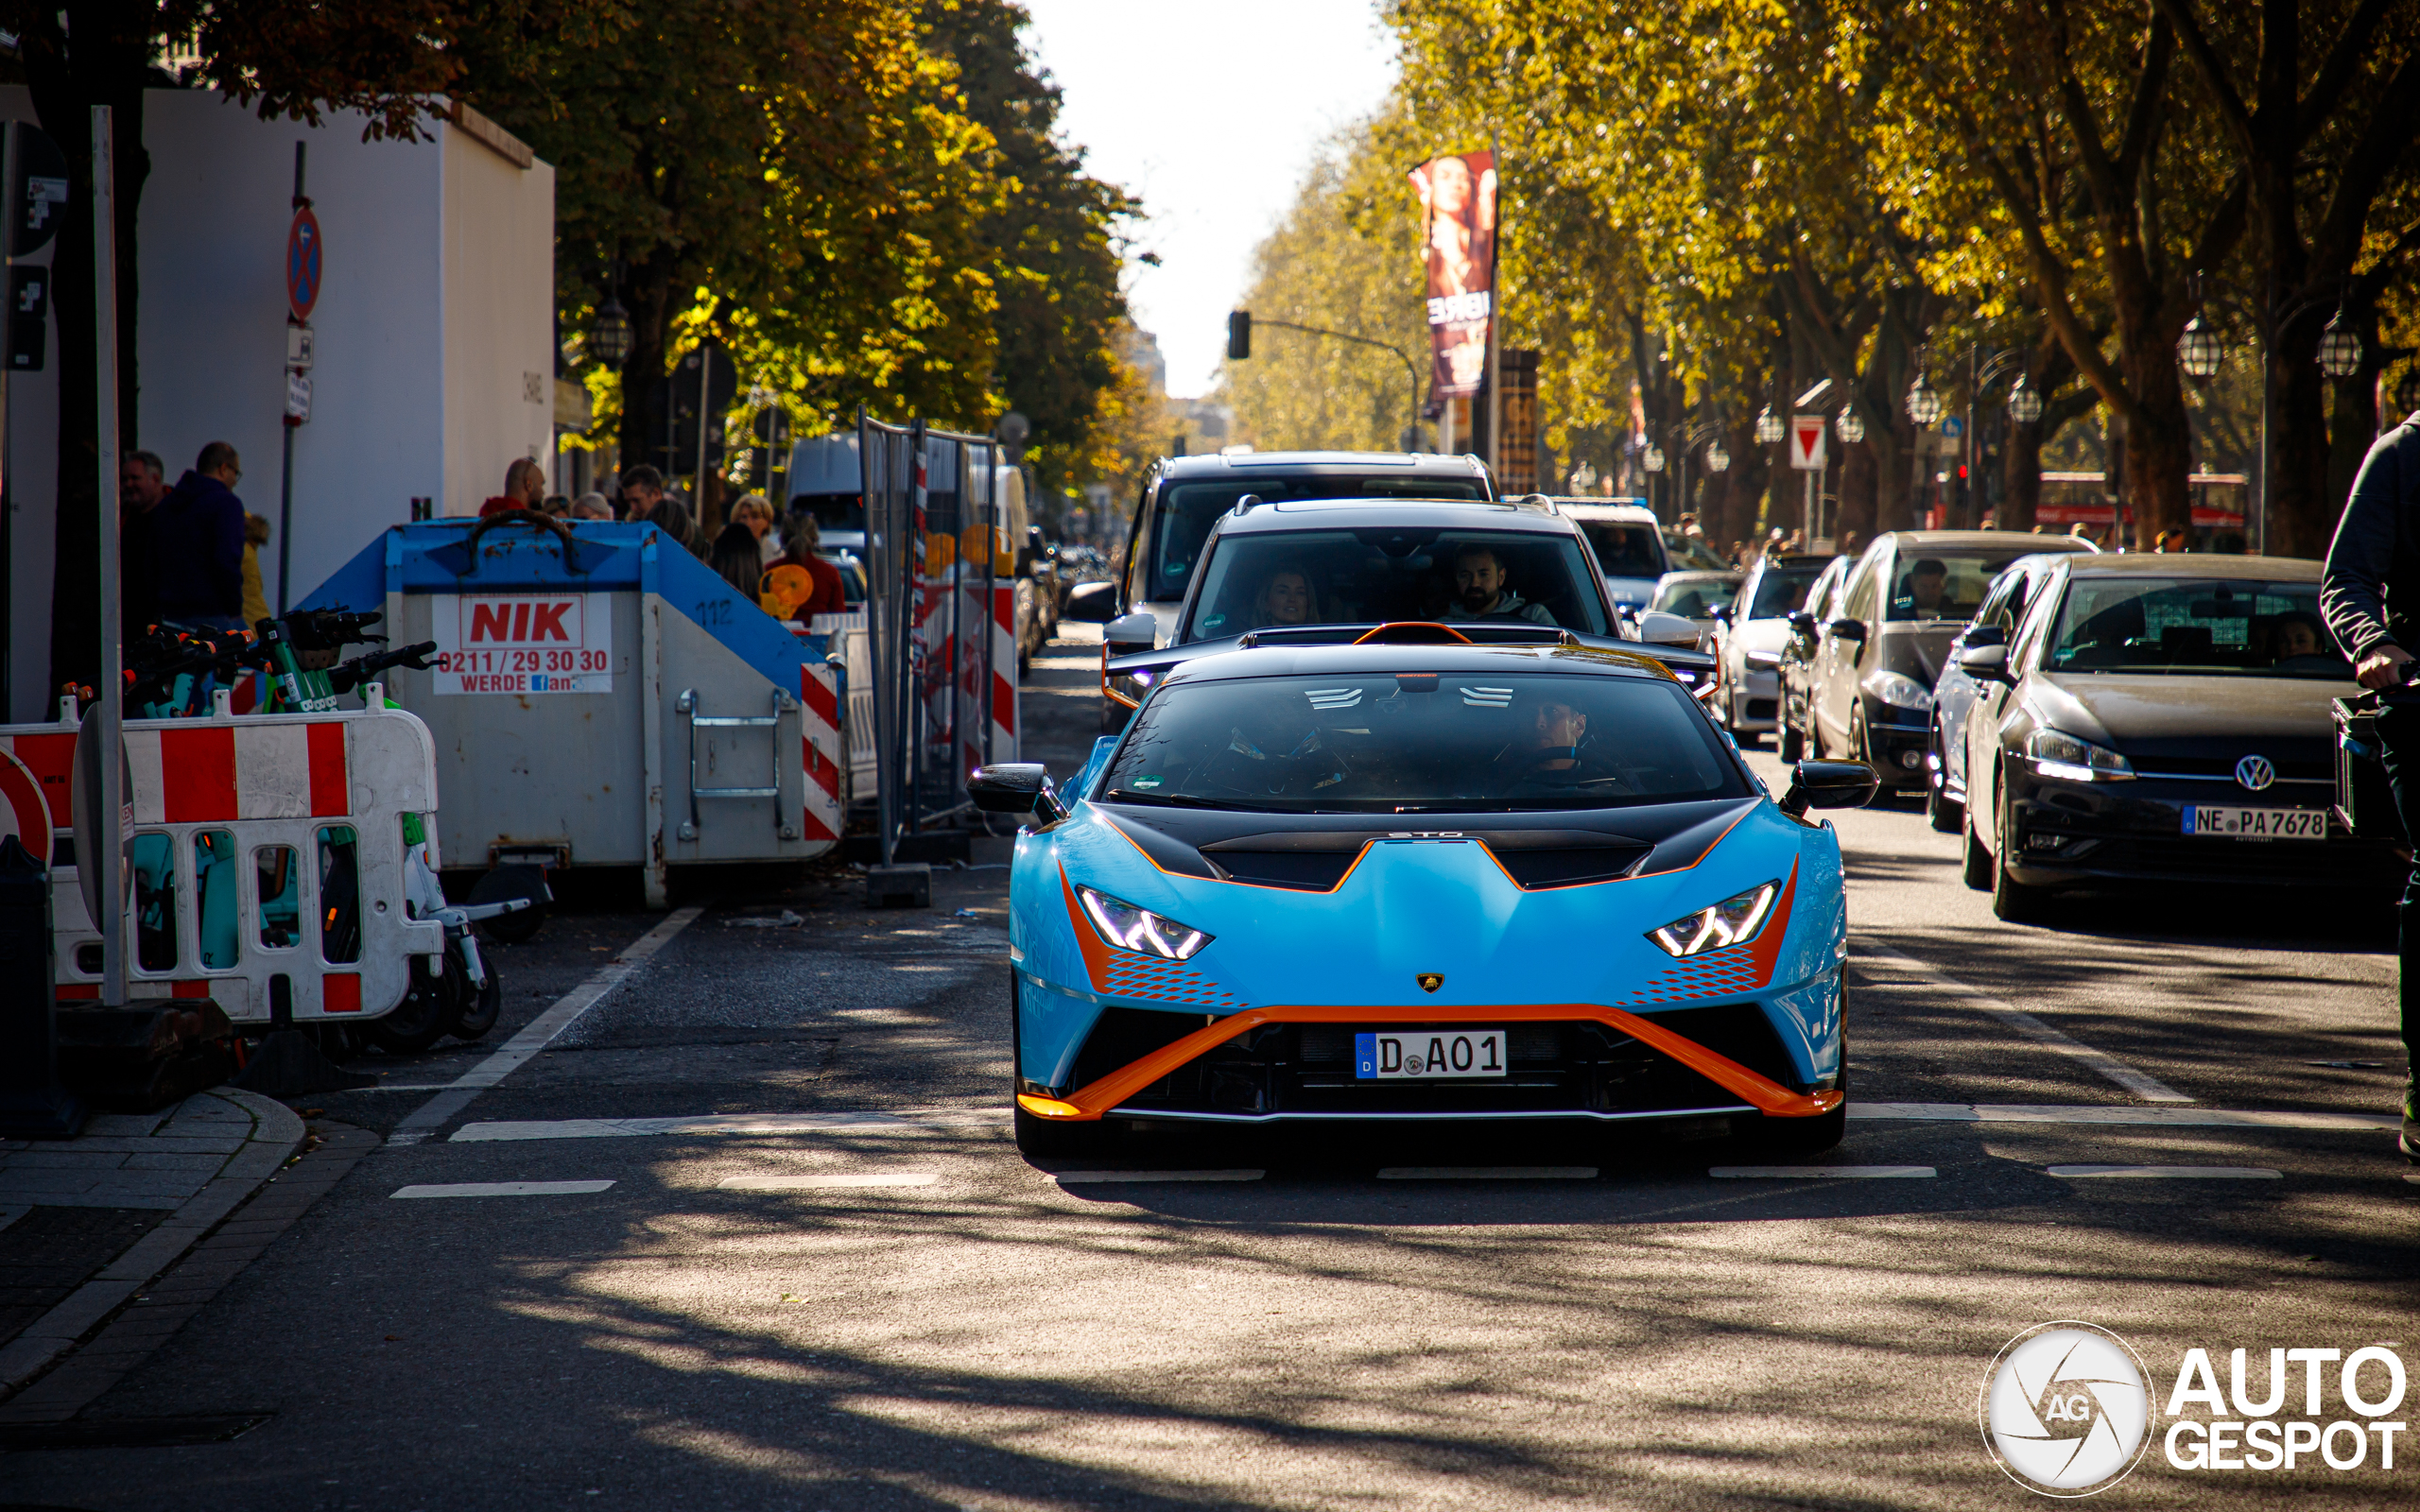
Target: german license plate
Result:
[2255, 824]
[1428, 1055]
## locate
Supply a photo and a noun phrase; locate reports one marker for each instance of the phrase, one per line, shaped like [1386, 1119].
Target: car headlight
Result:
[2056, 753]
[1139, 929]
[1732, 921]
[1898, 690]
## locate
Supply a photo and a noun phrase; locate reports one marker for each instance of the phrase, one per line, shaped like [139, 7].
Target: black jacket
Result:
[2372, 590]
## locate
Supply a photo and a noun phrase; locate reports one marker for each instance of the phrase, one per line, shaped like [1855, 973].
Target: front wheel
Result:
[1792, 744]
[1975, 867]
[1944, 812]
[481, 1007]
[2012, 900]
[418, 1022]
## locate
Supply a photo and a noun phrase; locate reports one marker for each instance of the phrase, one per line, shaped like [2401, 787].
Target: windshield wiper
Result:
[1180, 801]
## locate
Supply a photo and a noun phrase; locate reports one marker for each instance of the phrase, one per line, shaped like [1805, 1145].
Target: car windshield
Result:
[1625, 550]
[1188, 510]
[1691, 551]
[1259, 579]
[1783, 589]
[2188, 625]
[1693, 597]
[1404, 742]
[1943, 585]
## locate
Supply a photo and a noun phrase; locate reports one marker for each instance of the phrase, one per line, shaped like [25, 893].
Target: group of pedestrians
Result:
[190, 554]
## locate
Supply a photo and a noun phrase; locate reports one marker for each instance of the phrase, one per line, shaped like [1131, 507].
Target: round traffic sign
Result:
[24, 811]
[302, 264]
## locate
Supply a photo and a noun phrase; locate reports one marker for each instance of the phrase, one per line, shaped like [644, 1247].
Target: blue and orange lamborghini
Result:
[1424, 877]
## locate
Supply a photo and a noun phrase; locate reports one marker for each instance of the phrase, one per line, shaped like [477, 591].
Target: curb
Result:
[277, 1132]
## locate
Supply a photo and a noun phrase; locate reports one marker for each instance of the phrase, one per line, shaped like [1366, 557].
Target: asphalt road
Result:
[786, 1303]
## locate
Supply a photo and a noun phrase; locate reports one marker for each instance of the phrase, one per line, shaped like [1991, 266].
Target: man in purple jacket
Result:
[197, 546]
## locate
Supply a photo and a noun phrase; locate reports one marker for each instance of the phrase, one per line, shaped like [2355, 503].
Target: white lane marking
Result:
[827, 1181]
[501, 1189]
[1487, 1172]
[1096, 1177]
[535, 1036]
[2175, 1173]
[908, 1121]
[1790, 1172]
[2150, 1088]
[2120, 1113]
[2413, 1176]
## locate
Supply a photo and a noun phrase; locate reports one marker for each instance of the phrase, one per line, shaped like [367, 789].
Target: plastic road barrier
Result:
[600, 698]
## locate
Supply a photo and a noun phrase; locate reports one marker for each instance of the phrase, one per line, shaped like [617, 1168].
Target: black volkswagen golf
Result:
[2160, 718]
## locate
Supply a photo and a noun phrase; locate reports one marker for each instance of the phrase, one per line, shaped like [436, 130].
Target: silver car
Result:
[1752, 630]
[1694, 596]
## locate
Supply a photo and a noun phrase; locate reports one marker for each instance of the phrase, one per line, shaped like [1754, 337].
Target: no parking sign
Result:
[303, 263]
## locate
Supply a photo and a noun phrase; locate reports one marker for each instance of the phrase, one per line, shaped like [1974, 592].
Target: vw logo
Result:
[2255, 772]
[2067, 1409]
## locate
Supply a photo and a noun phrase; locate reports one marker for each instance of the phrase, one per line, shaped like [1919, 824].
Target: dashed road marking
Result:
[1820, 1173]
[1487, 1172]
[535, 1036]
[1067, 1179]
[828, 1181]
[501, 1189]
[2122, 1113]
[2172, 1172]
[902, 1121]
[2149, 1087]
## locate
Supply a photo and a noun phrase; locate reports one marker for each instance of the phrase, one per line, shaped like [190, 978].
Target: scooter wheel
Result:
[480, 1006]
[419, 1020]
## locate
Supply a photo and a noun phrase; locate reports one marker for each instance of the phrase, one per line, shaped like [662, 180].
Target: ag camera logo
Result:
[2067, 1409]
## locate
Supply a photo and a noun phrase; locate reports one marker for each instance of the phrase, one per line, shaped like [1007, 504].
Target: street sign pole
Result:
[9, 213]
[110, 858]
[300, 300]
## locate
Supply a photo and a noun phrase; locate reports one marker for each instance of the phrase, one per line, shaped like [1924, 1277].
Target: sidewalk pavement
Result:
[192, 1164]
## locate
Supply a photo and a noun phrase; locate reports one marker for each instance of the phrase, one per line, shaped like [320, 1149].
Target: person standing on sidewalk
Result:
[2371, 597]
[198, 545]
[524, 488]
[140, 485]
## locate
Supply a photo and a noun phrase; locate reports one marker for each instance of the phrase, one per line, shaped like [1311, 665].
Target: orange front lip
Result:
[1760, 1092]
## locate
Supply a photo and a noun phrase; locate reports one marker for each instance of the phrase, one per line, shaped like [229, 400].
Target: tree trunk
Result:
[2300, 519]
[647, 291]
[1857, 478]
[2159, 444]
[2021, 477]
[1744, 483]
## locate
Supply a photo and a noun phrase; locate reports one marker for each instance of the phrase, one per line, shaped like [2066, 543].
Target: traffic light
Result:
[1239, 335]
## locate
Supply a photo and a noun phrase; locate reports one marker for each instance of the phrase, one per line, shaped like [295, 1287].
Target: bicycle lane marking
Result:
[540, 1032]
[2142, 1084]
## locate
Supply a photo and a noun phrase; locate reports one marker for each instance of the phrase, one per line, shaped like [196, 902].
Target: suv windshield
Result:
[1626, 550]
[2182, 624]
[1692, 598]
[1410, 741]
[1944, 586]
[1783, 589]
[1264, 577]
[1187, 510]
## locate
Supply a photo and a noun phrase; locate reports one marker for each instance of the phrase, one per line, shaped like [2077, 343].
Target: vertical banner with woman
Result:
[1458, 200]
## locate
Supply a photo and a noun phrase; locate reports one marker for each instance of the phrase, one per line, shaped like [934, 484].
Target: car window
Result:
[1937, 585]
[1825, 598]
[2170, 625]
[1259, 579]
[1625, 550]
[1997, 606]
[1187, 510]
[1691, 597]
[1393, 741]
[1858, 603]
[1781, 588]
[2030, 623]
[1691, 551]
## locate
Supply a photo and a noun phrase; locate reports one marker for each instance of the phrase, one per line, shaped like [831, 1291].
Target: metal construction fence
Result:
[942, 619]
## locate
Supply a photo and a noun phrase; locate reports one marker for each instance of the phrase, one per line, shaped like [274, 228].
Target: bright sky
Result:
[1210, 114]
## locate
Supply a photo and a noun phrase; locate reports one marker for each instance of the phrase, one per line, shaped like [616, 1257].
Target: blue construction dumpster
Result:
[601, 699]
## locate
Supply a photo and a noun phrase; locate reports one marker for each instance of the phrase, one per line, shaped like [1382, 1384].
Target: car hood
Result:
[2137, 709]
[1347, 908]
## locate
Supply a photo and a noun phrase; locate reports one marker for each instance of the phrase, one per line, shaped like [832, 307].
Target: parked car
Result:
[1688, 553]
[1874, 670]
[1183, 496]
[1694, 596]
[2162, 719]
[1629, 547]
[2004, 604]
[1796, 671]
[1747, 699]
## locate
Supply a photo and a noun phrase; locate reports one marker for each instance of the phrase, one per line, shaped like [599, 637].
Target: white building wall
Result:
[436, 305]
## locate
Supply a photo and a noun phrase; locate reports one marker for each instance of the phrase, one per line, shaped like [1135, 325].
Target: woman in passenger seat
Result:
[1286, 597]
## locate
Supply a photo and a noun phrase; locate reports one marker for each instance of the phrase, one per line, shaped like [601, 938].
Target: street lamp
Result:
[1717, 459]
[1924, 406]
[1849, 426]
[2024, 404]
[2200, 350]
[2339, 348]
[609, 338]
[1768, 427]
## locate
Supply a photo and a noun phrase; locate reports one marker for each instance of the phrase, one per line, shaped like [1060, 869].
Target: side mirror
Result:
[1658, 628]
[1830, 785]
[1985, 664]
[1985, 635]
[1091, 603]
[1801, 622]
[1017, 787]
[1131, 632]
[1849, 629]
